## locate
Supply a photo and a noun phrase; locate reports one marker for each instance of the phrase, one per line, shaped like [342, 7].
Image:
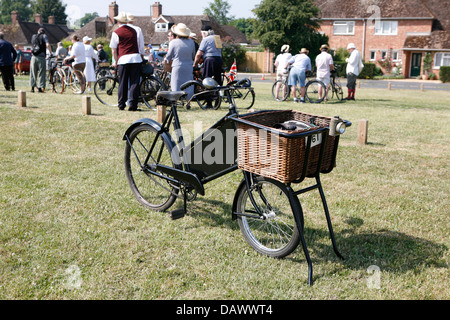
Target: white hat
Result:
[130, 17]
[351, 46]
[86, 38]
[122, 17]
[285, 48]
[181, 30]
[193, 36]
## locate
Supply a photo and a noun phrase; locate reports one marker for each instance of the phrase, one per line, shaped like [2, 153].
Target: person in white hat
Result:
[128, 56]
[181, 56]
[324, 64]
[354, 67]
[280, 65]
[91, 58]
[301, 63]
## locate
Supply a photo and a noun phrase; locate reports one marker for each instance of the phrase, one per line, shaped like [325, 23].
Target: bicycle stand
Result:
[299, 221]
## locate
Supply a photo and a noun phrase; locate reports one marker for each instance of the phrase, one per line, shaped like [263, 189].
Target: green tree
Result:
[51, 8]
[88, 17]
[245, 25]
[23, 7]
[219, 9]
[292, 22]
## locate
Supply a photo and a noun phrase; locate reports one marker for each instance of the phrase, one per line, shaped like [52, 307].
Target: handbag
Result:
[167, 66]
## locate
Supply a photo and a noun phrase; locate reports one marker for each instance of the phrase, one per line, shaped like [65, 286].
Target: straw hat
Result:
[122, 17]
[130, 17]
[304, 50]
[324, 46]
[181, 30]
[285, 48]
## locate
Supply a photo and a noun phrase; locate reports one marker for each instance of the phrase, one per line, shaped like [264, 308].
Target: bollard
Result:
[359, 84]
[160, 113]
[86, 105]
[422, 87]
[363, 128]
[389, 85]
[22, 99]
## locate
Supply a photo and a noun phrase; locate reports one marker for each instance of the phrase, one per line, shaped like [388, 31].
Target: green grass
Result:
[71, 229]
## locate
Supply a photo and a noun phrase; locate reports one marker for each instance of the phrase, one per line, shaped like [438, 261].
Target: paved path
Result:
[405, 84]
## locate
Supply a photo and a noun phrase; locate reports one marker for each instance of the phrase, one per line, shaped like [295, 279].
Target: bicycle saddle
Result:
[163, 97]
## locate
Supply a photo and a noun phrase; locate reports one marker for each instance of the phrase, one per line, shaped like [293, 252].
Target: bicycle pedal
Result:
[178, 213]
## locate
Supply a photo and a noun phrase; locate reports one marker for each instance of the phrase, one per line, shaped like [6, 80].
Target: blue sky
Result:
[77, 8]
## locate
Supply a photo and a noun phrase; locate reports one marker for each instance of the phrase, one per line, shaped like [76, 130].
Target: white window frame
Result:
[386, 28]
[374, 55]
[396, 52]
[443, 55]
[350, 28]
[161, 27]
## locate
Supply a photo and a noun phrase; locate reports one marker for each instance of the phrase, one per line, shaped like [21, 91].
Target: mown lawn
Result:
[71, 229]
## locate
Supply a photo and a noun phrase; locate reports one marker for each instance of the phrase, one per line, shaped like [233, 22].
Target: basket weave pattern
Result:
[283, 158]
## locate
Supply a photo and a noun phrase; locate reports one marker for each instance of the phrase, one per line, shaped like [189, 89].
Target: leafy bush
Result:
[368, 72]
[444, 74]
[231, 51]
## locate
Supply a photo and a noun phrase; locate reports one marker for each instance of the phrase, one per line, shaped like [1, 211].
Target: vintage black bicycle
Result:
[161, 168]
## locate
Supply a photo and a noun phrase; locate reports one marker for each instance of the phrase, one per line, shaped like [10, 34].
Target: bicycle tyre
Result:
[148, 89]
[338, 92]
[75, 83]
[276, 236]
[283, 89]
[106, 90]
[312, 91]
[201, 96]
[244, 98]
[58, 82]
[150, 190]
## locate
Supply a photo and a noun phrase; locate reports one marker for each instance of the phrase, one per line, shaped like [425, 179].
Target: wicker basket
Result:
[104, 64]
[284, 155]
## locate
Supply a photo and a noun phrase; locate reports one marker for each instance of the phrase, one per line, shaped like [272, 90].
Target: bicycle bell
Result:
[209, 83]
[337, 126]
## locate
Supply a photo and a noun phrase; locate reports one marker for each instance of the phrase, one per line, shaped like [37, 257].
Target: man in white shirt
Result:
[324, 64]
[127, 50]
[280, 64]
[354, 67]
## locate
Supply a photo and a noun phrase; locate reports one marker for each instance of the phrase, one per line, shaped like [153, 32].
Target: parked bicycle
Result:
[106, 89]
[313, 88]
[334, 90]
[161, 169]
[62, 75]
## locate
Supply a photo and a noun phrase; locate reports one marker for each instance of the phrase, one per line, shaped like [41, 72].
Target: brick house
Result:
[156, 26]
[20, 32]
[401, 30]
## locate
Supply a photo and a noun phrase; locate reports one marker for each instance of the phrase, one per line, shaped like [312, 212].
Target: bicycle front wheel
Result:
[280, 90]
[244, 98]
[149, 88]
[58, 82]
[315, 91]
[277, 234]
[149, 187]
[106, 90]
[75, 82]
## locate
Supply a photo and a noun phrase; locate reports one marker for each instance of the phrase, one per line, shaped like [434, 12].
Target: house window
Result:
[383, 54]
[386, 27]
[441, 60]
[396, 55]
[373, 55]
[161, 27]
[344, 28]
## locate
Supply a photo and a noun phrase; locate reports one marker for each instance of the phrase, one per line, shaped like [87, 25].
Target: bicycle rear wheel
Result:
[106, 90]
[75, 82]
[205, 97]
[277, 234]
[280, 90]
[58, 82]
[315, 91]
[149, 88]
[150, 189]
[244, 98]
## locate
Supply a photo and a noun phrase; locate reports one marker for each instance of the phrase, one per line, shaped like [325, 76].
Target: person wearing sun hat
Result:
[324, 64]
[300, 64]
[354, 67]
[280, 65]
[91, 56]
[127, 49]
[181, 57]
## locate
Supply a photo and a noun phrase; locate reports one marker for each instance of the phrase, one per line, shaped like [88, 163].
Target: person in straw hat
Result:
[181, 57]
[300, 64]
[324, 64]
[127, 51]
[91, 56]
[280, 64]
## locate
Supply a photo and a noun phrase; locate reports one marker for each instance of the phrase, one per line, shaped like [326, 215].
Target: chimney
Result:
[14, 17]
[38, 18]
[156, 10]
[51, 20]
[113, 12]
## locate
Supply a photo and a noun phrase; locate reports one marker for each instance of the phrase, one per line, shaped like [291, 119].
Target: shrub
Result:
[444, 74]
[368, 72]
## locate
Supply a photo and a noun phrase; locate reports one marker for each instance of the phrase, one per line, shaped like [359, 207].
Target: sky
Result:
[76, 9]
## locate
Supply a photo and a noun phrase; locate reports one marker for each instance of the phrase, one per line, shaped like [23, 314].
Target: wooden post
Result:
[22, 99]
[160, 113]
[389, 85]
[363, 128]
[422, 87]
[359, 84]
[86, 107]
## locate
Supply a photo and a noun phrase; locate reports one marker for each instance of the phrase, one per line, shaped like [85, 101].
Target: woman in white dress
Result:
[89, 71]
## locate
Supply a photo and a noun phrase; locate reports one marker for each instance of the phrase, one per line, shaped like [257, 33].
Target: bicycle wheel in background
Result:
[277, 235]
[315, 91]
[58, 82]
[202, 96]
[149, 88]
[149, 189]
[75, 83]
[106, 90]
[280, 90]
[244, 98]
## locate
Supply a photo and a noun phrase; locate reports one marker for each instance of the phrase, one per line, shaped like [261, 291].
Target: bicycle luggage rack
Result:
[290, 157]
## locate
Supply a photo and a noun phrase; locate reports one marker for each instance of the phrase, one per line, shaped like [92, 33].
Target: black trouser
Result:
[8, 77]
[129, 75]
